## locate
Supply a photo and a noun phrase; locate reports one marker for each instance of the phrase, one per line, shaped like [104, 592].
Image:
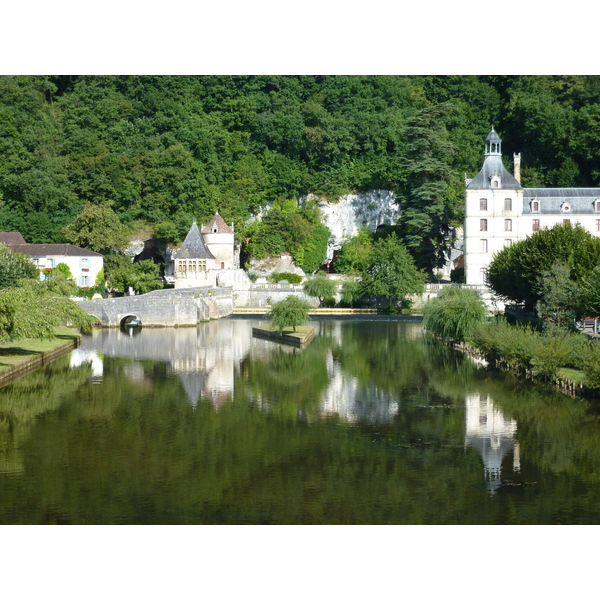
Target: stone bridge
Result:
[163, 308]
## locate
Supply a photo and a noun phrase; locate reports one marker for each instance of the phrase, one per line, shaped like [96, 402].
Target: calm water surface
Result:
[373, 423]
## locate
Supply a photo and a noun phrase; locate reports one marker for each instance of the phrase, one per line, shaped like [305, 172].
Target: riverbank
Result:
[570, 382]
[19, 358]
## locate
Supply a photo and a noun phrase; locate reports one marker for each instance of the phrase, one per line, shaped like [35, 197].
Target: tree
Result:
[354, 255]
[514, 272]
[454, 314]
[97, 228]
[142, 277]
[60, 281]
[320, 287]
[351, 291]
[430, 202]
[289, 312]
[392, 272]
[14, 267]
[560, 296]
[33, 310]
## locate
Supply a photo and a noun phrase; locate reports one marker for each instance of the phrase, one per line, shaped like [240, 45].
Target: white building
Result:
[84, 264]
[208, 258]
[498, 211]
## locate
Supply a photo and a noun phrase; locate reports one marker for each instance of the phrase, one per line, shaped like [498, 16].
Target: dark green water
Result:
[373, 423]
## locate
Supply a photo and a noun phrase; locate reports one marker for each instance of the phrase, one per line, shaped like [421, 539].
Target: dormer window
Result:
[535, 206]
[215, 229]
[597, 206]
[495, 181]
[565, 207]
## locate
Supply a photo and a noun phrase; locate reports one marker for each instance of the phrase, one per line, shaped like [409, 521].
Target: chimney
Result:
[517, 160]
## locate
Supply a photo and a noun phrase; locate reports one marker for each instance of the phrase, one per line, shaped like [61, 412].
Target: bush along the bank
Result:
[537, 353]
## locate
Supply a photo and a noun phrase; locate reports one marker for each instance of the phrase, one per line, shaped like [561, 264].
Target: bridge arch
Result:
[127, 319]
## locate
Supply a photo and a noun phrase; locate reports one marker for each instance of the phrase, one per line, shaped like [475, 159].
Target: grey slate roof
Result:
[581, 200]
[193, 246]
[11, 237]
[492, 165]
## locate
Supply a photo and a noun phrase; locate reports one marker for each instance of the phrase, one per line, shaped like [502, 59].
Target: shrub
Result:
[283, 276]
[454, 314]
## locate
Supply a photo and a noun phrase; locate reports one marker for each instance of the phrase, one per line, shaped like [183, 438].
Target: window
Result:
[535, 206]
[482, 224]
[597, 206]
[483, 246]
[483, 204]
[536, 225]
[565, 221]
[482, 275]
[84, 263]
[507, 203]
[85, 281]
[507, 243]
[597, 224]
[507, 224]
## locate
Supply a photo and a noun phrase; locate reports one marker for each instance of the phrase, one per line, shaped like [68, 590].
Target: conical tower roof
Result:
[193, 246]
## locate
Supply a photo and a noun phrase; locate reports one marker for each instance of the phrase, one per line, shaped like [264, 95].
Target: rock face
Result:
[275, 264]
[348, 214]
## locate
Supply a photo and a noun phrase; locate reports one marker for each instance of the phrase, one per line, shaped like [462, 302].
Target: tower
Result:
[493, 203]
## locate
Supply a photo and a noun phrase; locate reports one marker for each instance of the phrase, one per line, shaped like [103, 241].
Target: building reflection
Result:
[207, 360]
[493, 435]
[344, 398]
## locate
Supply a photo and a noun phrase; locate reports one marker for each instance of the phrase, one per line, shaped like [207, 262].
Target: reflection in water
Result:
[368, 424]
[493, 435]
[351, 402]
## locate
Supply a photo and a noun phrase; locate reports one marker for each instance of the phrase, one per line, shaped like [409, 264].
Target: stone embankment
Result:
[44, 358]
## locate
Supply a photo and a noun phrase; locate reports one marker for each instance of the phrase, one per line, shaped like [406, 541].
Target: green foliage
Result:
[515, 271]
[289, 228]
[524, 349]
[391, 271]
[560, 296]
[355, 253]
[289, 312]
[283, 276]
[14, 267]
[60, 281]
[454, 314]
[431, 199]
[351, 292]
[34, 309]
[320, 286]
[97, 228]
[142, 277]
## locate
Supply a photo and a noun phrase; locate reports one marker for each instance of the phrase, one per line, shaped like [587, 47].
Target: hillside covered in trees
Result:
[164, 149]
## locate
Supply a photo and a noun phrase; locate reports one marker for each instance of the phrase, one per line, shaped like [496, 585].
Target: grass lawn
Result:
[13, 353]
[574, 375]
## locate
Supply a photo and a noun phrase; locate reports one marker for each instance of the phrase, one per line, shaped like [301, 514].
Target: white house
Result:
[84, 264]
[498, 211]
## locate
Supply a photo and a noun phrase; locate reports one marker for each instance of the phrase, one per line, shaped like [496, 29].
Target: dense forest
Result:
[161, 150]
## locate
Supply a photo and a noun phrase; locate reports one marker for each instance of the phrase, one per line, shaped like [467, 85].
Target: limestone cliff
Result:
[345, 216]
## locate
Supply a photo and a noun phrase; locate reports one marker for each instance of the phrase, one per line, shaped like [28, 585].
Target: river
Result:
[373, 423]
